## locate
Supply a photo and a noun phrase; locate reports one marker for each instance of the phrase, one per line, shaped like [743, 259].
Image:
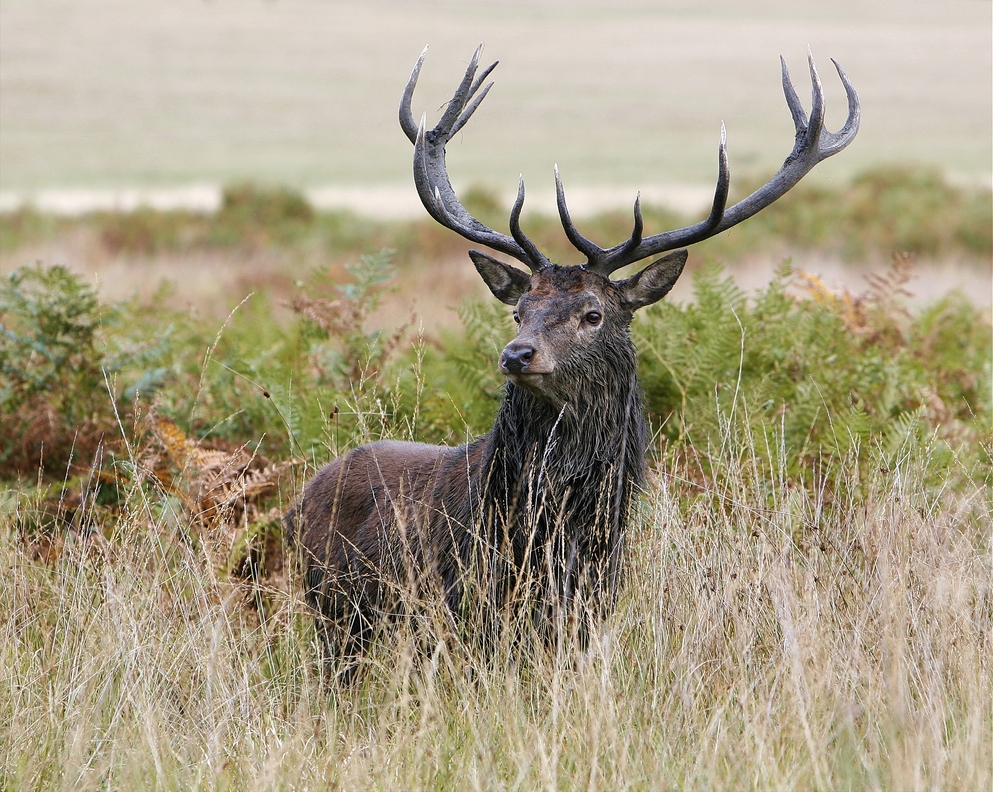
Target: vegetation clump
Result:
[829, 373]
[886, 209]
[53, 396]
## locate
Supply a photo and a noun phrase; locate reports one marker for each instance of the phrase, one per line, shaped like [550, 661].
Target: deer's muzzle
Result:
[516, 358]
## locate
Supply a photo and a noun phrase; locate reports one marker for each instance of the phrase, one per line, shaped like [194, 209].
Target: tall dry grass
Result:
[809, 593]
[769, 636]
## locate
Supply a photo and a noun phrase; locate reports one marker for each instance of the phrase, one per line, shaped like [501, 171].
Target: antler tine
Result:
[635, 239]
[467, 114]
[407, 123]
[533, 254]
[462, 94]
[836, 141]
[816, 123]
[430, 172]
[813, 145]
[594, 253]
[591, 250]
[631, 251]
[792, 100]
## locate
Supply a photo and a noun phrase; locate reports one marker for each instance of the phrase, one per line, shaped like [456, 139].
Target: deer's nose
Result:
[516, 358]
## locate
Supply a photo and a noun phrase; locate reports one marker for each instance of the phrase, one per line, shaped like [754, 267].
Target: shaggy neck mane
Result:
[561, 479]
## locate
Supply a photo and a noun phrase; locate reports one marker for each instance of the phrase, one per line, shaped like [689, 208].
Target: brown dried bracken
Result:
[223, 489]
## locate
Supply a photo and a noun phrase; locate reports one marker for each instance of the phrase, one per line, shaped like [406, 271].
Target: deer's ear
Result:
[653, 282]
[507, 283]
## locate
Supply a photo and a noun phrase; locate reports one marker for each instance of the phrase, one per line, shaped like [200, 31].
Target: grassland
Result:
[808, 602]
[804, 643]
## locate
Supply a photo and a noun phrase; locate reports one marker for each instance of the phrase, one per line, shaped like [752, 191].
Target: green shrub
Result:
[831, 373]
[455, 383]
[147, 231]
[26, 226]
[53, 398]
[255, 217]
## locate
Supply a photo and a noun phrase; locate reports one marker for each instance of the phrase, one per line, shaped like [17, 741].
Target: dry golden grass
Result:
[768, 637]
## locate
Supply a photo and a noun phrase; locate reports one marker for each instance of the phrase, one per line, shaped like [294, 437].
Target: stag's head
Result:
[572, 322]
[576, 313]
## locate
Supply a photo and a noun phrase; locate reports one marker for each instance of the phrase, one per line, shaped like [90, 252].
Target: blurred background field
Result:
[303, 93]
[215, 275]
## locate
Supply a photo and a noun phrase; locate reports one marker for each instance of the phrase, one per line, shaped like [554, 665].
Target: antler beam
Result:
[431, 175]
[813, 144]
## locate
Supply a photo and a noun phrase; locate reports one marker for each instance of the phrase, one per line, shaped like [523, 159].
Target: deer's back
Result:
[378, 504]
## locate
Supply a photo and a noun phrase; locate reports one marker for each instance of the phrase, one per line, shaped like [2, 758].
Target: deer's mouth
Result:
[527, 379]
[525, 376]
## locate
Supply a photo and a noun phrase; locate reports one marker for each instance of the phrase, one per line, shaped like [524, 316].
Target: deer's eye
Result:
[593, 318]
[517, 317]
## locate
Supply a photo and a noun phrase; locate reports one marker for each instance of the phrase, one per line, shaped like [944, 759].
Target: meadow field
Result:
[808, 600]
[808, 591]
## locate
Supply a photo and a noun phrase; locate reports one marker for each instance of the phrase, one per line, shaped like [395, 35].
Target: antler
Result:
[431, 175]
[813, 144]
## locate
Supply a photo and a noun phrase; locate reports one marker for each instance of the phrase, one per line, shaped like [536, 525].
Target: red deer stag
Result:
[536, 510]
